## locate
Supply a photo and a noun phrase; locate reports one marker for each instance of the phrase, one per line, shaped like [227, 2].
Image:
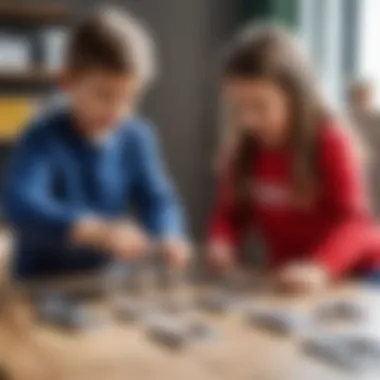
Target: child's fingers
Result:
[129, 244]
[303, 279]
[292, 279]
[284, 281]
[221, 263]
[178, 254]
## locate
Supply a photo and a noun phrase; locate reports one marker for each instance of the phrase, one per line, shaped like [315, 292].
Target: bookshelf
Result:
[25, 14]
[29, 77]
[26, 29]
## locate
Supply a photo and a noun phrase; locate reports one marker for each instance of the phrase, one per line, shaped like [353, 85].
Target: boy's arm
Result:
[157, 201]
[30, 207]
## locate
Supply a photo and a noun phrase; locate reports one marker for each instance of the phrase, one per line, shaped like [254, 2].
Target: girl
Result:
[292, 172]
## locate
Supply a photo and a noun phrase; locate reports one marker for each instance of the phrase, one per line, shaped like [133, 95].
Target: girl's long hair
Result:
[267, 52]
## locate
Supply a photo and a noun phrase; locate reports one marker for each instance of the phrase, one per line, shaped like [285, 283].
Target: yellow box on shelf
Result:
[15, 112]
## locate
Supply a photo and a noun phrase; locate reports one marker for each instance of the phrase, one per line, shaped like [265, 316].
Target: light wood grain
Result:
[118, 352]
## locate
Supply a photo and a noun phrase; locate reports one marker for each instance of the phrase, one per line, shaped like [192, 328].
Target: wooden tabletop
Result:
[122, 351]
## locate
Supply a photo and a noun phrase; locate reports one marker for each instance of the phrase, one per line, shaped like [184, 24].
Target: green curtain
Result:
[286, 11]
[283, 11]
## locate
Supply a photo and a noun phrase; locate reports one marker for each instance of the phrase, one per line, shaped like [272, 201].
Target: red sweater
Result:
[336, 231]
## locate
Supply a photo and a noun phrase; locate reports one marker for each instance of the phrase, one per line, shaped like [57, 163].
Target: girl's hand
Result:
[305, 277]
[220, 256]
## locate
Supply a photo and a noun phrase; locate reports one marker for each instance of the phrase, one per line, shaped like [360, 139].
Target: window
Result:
[369, 52]
[328, 30]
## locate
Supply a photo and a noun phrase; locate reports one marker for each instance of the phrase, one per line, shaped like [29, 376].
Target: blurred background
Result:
[340, 35]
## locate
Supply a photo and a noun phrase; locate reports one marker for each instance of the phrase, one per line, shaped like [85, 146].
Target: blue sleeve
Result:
[28, 203]
[157, 202]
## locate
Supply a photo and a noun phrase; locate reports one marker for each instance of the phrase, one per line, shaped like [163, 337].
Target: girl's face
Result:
[259, 107]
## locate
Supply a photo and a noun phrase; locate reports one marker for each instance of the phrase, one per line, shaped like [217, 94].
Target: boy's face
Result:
[101, 100]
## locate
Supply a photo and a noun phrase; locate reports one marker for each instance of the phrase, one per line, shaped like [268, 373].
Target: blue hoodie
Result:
[56, 177]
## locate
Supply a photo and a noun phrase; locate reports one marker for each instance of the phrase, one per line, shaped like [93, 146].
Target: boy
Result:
[78, 169]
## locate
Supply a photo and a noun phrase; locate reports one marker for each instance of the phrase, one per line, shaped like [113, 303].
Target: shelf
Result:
[15, 111]
[29, 77]
[33, 13]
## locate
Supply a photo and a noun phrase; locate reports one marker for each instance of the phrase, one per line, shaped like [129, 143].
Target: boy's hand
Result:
[177, 253]
[304, 277]
[127, 241]
[220, 256]
[89, 232]
[123, 239]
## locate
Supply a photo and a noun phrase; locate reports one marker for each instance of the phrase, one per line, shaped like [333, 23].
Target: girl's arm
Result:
[343, 183]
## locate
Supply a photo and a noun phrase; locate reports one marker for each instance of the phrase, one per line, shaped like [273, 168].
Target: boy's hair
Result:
[112, 40]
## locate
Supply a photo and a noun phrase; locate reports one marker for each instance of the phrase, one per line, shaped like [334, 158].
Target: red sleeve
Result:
[223, 225]
[342, 181]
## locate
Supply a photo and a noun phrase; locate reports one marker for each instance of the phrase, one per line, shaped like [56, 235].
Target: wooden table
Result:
[122, 351]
